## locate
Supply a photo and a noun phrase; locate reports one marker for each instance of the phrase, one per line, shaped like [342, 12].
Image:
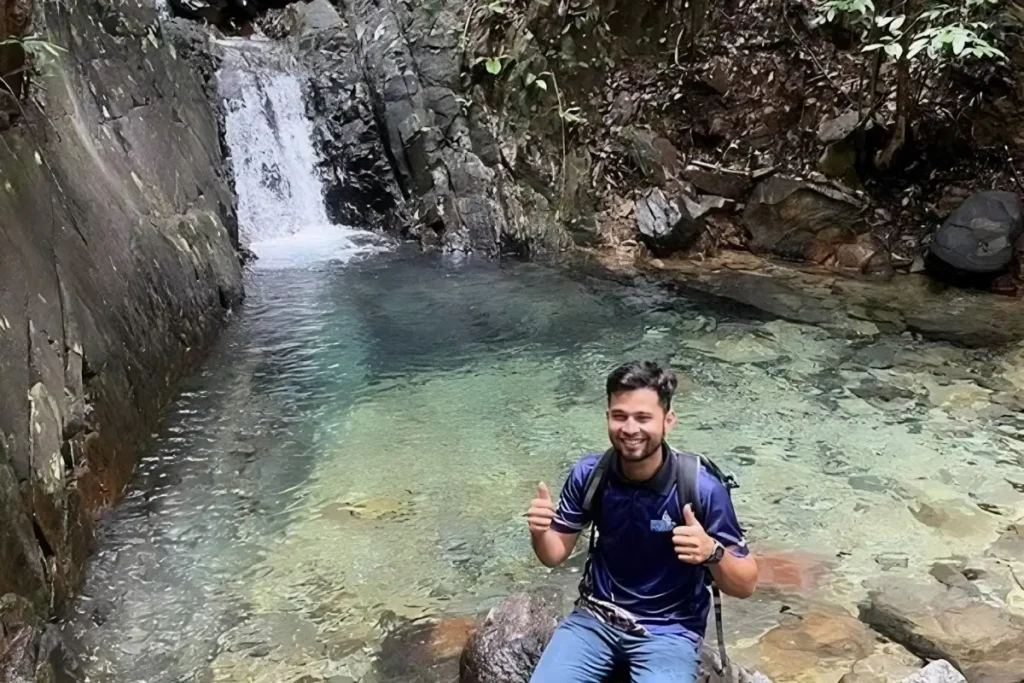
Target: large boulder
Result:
[981, 638]
[509, 643]
[979, 236]
[801, 221]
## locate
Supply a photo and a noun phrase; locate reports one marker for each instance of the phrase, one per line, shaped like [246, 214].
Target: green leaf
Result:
[883, 21]
[897, 22]
[872, 48]
[959, 40]
[894, 50]
[493, 66]
[543, 85]
[831, 14]
[916, 47]
[530, 78]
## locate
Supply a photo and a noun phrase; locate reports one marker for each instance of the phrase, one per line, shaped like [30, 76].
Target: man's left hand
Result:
[692, 543]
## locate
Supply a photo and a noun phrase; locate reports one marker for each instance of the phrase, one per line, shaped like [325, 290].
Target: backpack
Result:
[688, 467]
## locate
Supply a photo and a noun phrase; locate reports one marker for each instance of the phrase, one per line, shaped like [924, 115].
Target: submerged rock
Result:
[813, 640]
[791, 570]
[426, 651]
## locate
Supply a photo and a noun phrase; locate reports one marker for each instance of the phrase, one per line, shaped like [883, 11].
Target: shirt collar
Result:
[662, 480]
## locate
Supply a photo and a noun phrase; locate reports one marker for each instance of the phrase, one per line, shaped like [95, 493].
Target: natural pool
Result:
[362, 443]
[358, 451]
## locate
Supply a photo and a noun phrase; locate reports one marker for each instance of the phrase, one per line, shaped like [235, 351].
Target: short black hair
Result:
[643, 375]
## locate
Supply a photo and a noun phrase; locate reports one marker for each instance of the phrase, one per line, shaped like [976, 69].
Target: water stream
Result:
[361, 444]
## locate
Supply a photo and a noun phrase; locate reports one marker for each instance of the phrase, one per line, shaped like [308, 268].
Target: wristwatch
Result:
[716, 554]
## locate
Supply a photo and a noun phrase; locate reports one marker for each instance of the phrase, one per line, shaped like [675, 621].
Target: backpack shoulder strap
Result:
[688, 466]
[594, 481]
[688, 482]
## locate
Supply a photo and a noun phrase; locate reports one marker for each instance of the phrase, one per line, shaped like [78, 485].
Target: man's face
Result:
[637, 423]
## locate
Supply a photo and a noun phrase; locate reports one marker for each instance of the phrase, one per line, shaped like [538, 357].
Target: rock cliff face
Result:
[403, 148]
[116, 268]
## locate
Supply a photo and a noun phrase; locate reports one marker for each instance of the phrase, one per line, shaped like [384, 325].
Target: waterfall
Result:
[281, 212]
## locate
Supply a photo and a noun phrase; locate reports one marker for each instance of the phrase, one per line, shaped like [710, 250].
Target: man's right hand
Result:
[542, 510]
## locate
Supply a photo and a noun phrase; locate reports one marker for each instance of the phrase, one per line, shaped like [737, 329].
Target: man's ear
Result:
[670, 419]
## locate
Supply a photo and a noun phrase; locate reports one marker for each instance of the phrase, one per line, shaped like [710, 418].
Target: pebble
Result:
[890, 561]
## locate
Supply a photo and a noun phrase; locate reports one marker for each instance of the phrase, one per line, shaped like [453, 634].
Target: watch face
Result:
[717, 553]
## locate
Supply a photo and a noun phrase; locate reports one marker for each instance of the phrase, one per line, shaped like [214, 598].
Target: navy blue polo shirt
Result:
[634, 565]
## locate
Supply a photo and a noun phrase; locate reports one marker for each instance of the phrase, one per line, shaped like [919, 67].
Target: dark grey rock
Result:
[728, 185]
[360, 187]
[838, 128]
[654, 156]
[874, 389]
[979, 236]
[440, 163]
[31, 650]
[877, 356]
[664, 226]
[508, 645]
[117, 268]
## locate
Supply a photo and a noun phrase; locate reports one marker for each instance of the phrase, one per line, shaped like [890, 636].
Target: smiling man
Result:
[644, 597]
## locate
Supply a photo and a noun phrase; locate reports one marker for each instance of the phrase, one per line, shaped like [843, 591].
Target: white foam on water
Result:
[313, 246]
[281, 212]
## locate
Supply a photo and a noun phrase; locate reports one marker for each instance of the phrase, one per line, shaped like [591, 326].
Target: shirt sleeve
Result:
[720, 520]
[569, 517]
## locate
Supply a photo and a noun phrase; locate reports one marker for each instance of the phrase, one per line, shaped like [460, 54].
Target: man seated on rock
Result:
[644, 597]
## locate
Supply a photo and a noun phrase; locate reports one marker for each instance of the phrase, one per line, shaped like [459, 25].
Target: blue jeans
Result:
[585, 650]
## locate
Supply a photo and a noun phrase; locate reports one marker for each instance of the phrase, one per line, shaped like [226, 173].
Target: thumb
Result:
[689, 519]
[542, 491]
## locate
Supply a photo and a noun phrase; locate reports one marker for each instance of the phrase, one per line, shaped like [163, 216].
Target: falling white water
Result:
[281, 213]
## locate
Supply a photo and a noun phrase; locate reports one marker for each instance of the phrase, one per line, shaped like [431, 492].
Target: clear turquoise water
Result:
[362, 442]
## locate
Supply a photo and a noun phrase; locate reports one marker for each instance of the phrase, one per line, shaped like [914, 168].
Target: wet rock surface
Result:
[844, 305]
[116, 269]
[359, 185]
[982, 639]
[29, 649]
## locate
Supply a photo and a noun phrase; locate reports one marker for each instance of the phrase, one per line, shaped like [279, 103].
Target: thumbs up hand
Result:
[542, 510]
[692, 544]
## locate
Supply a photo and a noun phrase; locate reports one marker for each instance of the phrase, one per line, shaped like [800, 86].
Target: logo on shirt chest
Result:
[662, 525]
